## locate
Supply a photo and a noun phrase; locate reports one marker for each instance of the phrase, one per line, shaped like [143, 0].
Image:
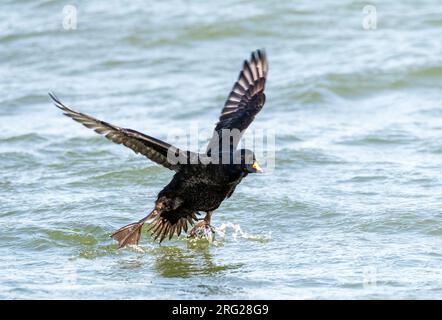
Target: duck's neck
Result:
[236, 173]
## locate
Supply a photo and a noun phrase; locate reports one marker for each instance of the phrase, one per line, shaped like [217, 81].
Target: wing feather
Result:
[152, 148]
[245, 100]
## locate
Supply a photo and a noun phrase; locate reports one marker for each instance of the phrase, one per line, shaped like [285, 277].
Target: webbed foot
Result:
[202, 230]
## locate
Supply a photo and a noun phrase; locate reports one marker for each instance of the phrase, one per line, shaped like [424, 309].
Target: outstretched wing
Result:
[154, 149]
[245, 100]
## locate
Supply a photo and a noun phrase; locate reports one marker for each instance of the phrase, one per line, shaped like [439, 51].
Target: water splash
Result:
[138, 249]
[237, 233]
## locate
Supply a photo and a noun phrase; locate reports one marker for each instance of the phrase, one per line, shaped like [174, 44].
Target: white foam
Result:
[237, 233]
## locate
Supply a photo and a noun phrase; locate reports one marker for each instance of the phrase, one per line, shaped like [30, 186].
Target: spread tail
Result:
[130, 234]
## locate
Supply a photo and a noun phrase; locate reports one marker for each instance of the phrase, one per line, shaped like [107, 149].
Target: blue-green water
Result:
[352, 209]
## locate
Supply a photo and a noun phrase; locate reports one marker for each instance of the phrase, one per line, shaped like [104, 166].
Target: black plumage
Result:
[198, 185]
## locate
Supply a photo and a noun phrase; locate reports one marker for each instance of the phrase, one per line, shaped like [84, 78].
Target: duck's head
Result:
[246, 160]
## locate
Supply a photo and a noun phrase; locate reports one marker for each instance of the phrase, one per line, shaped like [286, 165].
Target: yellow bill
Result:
[256, 167]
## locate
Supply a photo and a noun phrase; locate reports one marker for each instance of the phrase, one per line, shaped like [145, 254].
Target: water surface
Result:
[352, 209]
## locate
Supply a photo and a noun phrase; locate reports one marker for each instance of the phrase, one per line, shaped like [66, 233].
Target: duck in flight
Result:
[201, 181]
